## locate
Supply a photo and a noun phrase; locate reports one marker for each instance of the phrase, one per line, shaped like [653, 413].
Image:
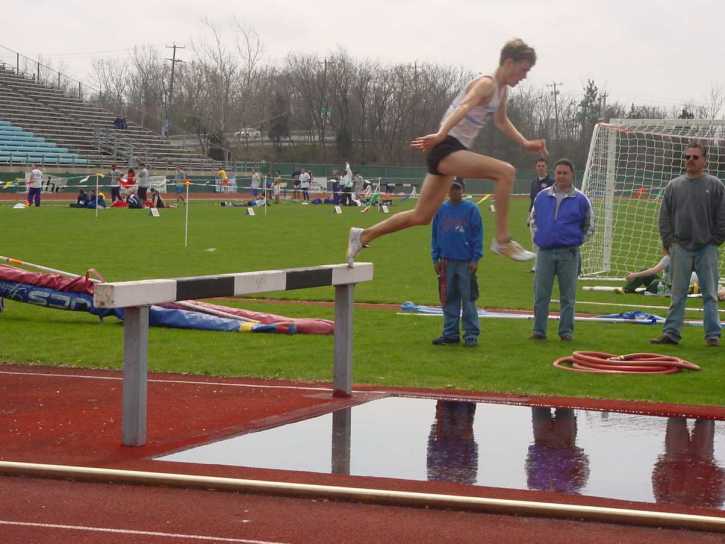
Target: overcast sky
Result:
[649, 51]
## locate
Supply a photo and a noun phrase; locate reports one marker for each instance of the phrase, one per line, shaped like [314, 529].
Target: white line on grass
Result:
[634, 305]
[132, 532]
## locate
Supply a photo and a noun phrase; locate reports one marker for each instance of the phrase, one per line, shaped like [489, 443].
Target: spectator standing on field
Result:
[222, 180]
[347, 186]
[541, 181]
[277, 187]
[130, 180]
[456, 248]
[179, 179]
[305, 179]
[692, 227]
[144, 182]
[562, 220]
[115, 176]
[35, 186]
[256, 183]
[296, 184]
[334, 181]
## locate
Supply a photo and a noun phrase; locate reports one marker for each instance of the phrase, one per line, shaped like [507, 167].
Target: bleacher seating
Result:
[18, 146]
[79, 129]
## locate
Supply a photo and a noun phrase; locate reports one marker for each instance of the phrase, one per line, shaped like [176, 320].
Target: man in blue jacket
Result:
[456, 247]
[562, 222]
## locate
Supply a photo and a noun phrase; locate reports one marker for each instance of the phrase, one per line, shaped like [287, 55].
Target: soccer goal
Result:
[629, 164]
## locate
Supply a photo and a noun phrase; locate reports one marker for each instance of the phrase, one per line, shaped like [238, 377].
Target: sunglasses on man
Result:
[692, 157]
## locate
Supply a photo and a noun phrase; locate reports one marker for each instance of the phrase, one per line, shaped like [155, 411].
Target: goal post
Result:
[630, 162]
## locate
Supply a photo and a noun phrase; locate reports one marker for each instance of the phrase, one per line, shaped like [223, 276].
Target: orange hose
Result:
[600, 362]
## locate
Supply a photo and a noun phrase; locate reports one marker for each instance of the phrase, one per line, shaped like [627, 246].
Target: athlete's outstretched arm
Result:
[504, 124]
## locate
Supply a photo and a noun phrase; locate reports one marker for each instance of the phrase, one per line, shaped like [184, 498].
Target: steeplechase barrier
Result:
[135, 297]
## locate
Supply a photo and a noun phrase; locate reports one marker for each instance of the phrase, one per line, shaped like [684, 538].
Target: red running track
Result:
[72, 417]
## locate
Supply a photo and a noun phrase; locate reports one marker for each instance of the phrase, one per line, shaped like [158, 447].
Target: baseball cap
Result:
[458, 182]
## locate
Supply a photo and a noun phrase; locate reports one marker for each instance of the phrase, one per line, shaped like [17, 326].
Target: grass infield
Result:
[388, 349]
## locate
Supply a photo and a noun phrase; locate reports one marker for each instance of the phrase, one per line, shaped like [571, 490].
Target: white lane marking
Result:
[132, 532]
[188, 382]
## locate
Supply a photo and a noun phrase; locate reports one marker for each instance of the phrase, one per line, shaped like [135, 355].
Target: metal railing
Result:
[109, 143]
[42, 74]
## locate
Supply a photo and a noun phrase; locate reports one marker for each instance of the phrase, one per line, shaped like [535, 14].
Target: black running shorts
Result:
[440, 152]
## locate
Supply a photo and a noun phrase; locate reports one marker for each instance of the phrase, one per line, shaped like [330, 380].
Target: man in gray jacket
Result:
[692, 226]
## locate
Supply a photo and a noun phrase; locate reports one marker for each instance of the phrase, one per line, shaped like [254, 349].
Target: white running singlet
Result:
[469, 127]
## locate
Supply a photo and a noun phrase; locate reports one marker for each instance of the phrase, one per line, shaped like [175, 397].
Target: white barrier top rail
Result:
[126, 294]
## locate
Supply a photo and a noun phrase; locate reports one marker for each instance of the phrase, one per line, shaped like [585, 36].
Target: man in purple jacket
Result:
[562, 222]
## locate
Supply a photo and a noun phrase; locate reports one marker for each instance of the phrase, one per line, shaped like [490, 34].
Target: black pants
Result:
[650, 283]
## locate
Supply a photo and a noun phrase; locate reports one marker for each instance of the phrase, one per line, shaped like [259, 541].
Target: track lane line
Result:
[187, 382]
[134, 532]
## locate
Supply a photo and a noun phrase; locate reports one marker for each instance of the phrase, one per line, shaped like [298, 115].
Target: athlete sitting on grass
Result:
[449, 154]
[652, 283]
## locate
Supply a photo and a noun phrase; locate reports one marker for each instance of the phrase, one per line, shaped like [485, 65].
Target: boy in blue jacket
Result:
[456, 247]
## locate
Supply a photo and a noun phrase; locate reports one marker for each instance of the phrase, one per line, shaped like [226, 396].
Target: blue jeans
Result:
[705, 262]
[458, 293]
[564, 264]
[34, 196]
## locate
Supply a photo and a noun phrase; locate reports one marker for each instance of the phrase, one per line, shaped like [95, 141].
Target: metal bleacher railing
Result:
[51, 104]
[20, 64]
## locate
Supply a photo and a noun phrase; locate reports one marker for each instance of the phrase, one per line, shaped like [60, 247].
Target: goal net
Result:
[629, 164]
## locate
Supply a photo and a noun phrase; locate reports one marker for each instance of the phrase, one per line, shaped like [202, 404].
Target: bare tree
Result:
[371, 109]
[220, 73]
[716, 103]
[146, 86]
[112, 78]
[252, 77]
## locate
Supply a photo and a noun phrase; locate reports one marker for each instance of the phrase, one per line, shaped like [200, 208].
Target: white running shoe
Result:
[512, 250]
[354, 245]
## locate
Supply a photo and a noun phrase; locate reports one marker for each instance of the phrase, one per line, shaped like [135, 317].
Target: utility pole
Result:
[602, 105]
[324, 105]
[174, 60]
[555, 92]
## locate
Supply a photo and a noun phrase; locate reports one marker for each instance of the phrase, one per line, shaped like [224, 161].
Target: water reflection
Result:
[615, 455]
[554, 462]
[452, 453]
[686, 473]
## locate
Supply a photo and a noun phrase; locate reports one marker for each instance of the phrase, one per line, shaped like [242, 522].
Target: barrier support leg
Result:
[341, 440]
[135, 373]
[342, 374]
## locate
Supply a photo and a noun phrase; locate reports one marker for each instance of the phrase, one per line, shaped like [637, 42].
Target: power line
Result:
[89, 53]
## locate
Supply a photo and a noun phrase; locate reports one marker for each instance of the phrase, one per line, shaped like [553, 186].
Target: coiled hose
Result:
[600, 362]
